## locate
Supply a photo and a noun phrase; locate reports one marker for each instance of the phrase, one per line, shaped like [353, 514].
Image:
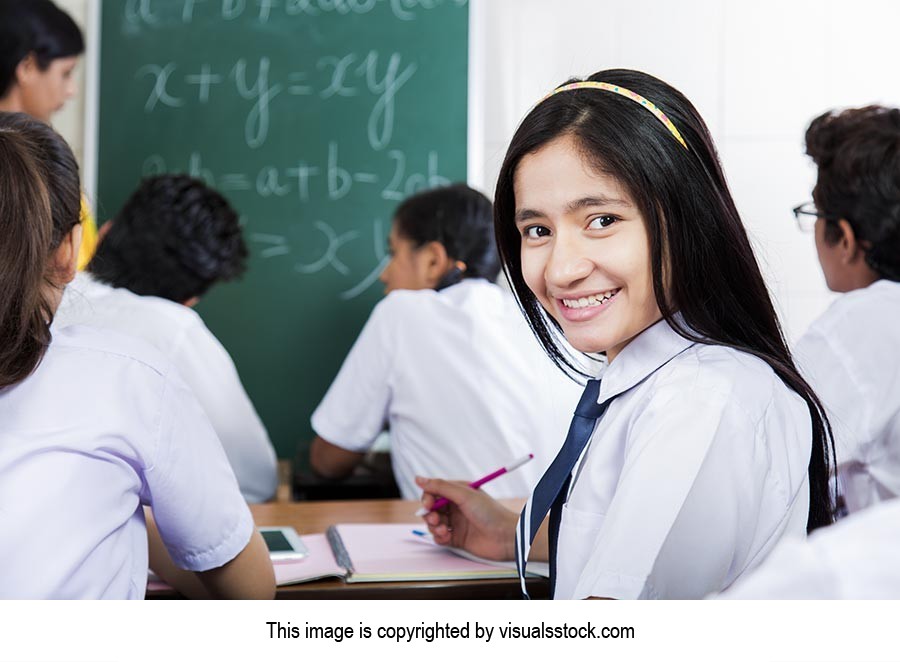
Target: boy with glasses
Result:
[850, 354]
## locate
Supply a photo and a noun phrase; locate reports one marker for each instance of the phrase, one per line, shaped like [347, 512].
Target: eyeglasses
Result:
[807, 214]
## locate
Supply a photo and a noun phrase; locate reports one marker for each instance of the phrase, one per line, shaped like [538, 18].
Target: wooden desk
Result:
[316, 516]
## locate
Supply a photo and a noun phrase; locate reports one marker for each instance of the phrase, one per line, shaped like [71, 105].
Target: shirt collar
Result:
[644, 355]
[86, 284]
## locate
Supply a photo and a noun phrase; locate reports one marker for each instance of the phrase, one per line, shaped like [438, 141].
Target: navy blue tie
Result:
[550, 493]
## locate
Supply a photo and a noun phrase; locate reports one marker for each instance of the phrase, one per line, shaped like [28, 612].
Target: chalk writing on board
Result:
[159, 94]
[334, 180]
[256, 128]
[204, 80]
[152, 13]
[275, 245]
[330, 256]
[348, 75]
[382, 260]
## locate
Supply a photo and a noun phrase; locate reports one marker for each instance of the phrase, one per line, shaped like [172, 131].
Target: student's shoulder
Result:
[166, 325]
[400, 307]
[865, 305]
[462, 296]
[731, 376]
[89, 301]
[86, 348]
[172, 313]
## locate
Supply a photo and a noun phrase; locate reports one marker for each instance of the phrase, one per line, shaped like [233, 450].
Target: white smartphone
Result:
[284, 543]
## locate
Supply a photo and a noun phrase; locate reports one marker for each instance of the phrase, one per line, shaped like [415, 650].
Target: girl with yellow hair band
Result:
[696, 445]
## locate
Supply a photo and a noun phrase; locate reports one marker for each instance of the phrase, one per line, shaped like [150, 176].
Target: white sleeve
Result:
[202, 517]
[355, 409]
[676, 512]
[796, 570]
[827, 370]
[208, 370]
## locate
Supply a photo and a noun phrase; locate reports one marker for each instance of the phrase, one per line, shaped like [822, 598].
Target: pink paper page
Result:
[320, 563]
[391, 552]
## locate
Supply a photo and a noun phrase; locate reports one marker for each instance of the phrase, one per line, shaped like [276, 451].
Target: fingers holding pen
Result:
[439, 499]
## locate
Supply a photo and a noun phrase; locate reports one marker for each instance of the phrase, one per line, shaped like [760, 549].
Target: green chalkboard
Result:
[314, 118]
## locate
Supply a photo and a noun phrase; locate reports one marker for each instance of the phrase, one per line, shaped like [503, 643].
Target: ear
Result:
[27, 69]
[103, 231]
[852, 250]
[65, 258]
[435, 262]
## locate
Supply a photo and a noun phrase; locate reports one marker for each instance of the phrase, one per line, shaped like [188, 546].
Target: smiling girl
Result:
[701, 446]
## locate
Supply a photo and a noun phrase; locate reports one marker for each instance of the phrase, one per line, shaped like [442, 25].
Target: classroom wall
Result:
[70, 120]
[757, 71]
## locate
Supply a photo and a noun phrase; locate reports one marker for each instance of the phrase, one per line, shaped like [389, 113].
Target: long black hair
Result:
[703, 265]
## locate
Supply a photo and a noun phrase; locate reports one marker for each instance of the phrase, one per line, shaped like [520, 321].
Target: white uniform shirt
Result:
[201, 360]
[696, 470]
[856, 559]
[74, 477]
[462, 383]
[851, 358]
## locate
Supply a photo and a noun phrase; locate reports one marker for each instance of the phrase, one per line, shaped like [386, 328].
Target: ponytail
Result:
[40, 203]
[461, 220]
[26, 227]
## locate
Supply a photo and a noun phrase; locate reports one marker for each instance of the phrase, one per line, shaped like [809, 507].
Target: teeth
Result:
[593, 300]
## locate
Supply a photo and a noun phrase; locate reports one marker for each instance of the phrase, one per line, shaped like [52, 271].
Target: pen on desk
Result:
[441, 502]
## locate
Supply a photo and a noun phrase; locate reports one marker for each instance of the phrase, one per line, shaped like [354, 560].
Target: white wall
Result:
[757, 71]
[70, 120]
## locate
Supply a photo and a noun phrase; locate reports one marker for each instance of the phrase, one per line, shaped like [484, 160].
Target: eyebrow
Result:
[588, 201]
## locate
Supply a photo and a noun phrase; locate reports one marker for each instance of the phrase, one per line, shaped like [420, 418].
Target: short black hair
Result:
[38, 27]
[458, 217]
[174, 238]
[857, 152]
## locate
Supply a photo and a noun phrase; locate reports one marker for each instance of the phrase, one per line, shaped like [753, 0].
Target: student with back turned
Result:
[851, 354]
[173, 240]
[75, 476]
[445, 361]
[39, 47]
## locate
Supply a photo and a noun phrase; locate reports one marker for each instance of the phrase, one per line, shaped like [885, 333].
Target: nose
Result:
[569, 261]
[385, 276]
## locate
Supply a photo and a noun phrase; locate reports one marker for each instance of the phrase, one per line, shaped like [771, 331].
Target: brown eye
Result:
[536, 232]
[603, 221]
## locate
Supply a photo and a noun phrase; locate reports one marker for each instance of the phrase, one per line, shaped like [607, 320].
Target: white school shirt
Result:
[461, 382]
[855, 559]
[201, 360]
[74, 477]
[851, 358]
[695, 471]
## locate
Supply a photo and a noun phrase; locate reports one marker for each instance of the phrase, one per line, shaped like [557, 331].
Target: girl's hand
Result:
[472, 520]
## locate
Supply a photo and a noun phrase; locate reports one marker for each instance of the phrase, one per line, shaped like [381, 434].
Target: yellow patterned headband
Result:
[615, 89]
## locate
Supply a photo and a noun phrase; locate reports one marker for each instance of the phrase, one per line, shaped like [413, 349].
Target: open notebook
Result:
[384, 553]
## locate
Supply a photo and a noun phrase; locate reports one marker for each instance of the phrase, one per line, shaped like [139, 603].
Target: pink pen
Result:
[441, 502]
